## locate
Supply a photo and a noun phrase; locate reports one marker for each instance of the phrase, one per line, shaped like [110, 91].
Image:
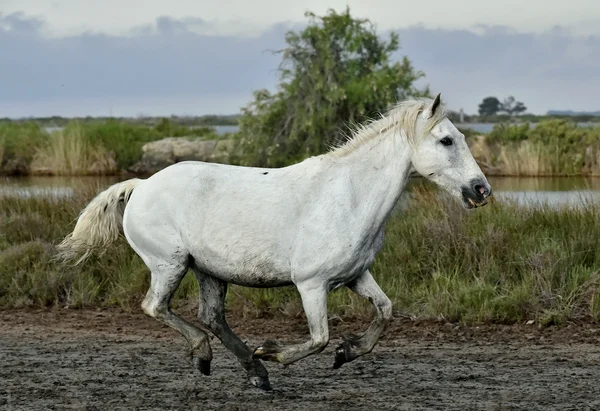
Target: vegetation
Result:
[70, 152]
[186, 121]
[17, 140]
[552, 147]
[512, 107]
[491, 106]
[95, 147]
[549, 147]
[439, 261]
[522, 118]
[333, 73]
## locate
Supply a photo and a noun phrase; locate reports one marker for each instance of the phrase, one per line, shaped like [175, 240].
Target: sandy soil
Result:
[112, 360]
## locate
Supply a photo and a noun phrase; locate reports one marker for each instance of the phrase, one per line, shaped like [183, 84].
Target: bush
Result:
[86, 147]
[552, 147]
[17, 140]
[334, 73]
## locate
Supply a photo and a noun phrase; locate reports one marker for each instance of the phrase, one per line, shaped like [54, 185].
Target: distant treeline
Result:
[531, 118]
[233, 119]
[187, 121]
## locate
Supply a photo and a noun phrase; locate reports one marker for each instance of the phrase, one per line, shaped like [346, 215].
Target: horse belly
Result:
[257, 271]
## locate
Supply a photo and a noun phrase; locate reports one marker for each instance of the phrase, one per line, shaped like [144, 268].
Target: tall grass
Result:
[524, 159]
[17, 141]
[80, 148]
[126, 140]
[553, 147]
[501, 263]
[69, 152]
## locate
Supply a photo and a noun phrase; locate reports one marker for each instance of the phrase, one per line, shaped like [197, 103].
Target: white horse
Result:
[317, 225]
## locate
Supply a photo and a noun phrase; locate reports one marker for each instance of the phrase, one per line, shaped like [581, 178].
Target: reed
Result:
[68, 153]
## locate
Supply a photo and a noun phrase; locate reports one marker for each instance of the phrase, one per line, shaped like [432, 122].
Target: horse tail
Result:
[99, 223]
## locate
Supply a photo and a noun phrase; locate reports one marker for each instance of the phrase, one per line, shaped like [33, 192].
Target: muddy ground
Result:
[112, 360]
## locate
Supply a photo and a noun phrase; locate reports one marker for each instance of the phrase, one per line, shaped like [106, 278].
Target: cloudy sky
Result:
[158, 57]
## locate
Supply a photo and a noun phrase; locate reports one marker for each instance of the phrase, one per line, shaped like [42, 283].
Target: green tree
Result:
[519, 108]
[511, 107]
[490, 106]
[335, 72]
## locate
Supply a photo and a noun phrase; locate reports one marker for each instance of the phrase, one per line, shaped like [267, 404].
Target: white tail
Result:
[99, 223]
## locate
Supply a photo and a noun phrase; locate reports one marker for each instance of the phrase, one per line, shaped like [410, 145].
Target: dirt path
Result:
[109, 360]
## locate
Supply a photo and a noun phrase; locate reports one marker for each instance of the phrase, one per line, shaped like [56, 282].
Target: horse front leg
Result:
[355, 346]
[314, 302]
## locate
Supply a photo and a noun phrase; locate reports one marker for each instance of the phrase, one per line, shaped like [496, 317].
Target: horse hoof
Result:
[269, 351]
[205, 367]
[342, 355]
[202, 365]
[261, 382]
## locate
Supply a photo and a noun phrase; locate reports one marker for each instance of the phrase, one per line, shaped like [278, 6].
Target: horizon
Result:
[551, 112]
[573, 113]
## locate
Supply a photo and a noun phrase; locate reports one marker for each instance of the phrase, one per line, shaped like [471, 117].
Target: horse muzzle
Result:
[476, 194]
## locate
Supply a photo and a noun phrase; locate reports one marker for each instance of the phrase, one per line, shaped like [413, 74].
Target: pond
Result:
[554, 191]
[25, 187]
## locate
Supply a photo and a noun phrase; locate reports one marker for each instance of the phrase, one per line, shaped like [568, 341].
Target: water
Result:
[50, 187]
[218, 129]
[226, 129]
[554, 191]
[482, 128]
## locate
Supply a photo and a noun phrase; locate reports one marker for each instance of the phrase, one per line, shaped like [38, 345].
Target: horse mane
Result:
[403, 114]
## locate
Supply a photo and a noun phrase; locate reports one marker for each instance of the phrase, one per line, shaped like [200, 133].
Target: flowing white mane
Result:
[403, 115]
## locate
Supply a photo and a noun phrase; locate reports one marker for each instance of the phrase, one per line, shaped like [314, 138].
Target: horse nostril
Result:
[480, 189]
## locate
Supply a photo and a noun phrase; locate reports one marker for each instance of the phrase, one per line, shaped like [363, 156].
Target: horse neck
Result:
[378, 171]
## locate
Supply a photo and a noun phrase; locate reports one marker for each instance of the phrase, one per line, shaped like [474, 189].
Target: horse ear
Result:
[435, 105]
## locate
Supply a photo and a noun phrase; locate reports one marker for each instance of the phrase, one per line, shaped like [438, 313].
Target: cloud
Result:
[182, 66]
[554, 69]
[71, 17]
[157, 61]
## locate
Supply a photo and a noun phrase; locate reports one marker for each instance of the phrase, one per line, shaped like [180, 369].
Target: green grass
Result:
[17, 141]
[551, 148]
[80, 148]
[497, 264]
[126, 140]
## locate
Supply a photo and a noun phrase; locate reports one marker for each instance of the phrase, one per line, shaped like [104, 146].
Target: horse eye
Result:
[447, 141]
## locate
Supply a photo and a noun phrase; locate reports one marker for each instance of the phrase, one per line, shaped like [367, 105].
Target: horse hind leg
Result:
[166, 277]
[212, 315]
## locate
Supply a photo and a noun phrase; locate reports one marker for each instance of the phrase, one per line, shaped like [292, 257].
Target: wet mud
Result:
[113, 360]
